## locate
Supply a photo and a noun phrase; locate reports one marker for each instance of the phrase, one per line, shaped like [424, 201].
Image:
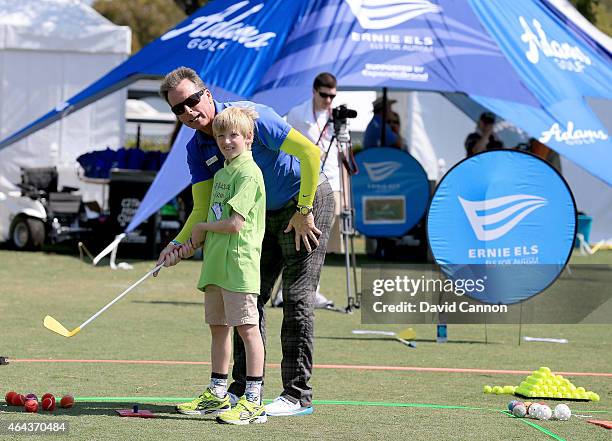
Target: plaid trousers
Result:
[301, 271]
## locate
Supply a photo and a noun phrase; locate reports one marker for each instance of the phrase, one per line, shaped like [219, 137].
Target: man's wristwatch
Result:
[304, 209]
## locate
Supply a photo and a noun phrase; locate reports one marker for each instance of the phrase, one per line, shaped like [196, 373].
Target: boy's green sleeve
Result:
[309, 155]
[201, 202]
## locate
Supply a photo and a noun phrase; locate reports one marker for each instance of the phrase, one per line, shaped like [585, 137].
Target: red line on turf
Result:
[324, 366]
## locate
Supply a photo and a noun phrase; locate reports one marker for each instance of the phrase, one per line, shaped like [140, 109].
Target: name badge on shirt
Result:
[211, 161]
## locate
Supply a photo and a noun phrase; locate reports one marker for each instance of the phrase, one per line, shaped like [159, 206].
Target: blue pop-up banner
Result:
[390, 192]
[505, 217]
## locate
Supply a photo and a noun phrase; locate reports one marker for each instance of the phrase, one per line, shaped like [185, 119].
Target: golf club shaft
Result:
[365, 332]
[93, 317]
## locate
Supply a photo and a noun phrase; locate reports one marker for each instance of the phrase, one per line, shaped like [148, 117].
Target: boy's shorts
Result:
[223, 307]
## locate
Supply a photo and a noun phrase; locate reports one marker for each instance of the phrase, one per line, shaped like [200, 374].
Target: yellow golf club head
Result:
[407, 334]
[53, 325]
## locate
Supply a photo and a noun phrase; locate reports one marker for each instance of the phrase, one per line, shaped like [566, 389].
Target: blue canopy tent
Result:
[485, 49]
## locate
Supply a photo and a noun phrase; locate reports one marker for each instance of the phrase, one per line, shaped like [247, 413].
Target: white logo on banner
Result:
[383, 14]
[572, 136]
[205, 31]
[520, 205]
[379, 171]
[567, 57]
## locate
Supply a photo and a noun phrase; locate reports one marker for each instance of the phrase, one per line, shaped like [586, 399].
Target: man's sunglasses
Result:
[326, 95]
[191, 101]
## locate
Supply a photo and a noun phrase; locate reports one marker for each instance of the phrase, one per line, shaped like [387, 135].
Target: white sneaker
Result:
[322, 302]
[282, 406]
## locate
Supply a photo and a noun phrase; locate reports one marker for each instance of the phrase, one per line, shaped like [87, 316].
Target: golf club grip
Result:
[406, 342]
[108, 305]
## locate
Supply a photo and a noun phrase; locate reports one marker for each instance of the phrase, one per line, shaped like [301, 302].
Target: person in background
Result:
[372, 135]
[546, 153]
[394, 122]
[483, 138]
[313, 119]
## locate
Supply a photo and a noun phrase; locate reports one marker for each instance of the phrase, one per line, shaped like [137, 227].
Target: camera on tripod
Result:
[340, 115]
[343, 113]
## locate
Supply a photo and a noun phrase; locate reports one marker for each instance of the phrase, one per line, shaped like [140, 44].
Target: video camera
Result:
[342, 113]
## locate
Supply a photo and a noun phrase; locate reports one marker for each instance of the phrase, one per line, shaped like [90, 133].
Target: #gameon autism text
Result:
[403, 307]
[413, 286]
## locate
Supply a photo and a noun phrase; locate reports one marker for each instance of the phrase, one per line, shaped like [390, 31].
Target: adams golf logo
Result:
[383, 14]
[208, 32]
[566, 56]
[491, 219]
[379, 171]
[571, 135]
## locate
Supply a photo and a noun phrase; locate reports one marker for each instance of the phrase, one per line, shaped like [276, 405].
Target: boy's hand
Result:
[198, 233]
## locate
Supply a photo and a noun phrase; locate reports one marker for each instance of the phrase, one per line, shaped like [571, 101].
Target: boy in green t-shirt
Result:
[232, 238]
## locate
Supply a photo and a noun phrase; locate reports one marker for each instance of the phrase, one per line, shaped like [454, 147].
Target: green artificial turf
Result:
[163, 320]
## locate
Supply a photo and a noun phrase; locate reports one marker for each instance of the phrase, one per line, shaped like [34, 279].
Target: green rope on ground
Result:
[151, 400]
[536, 426]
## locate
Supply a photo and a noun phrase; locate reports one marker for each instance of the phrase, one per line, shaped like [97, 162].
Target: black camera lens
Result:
[342, 112]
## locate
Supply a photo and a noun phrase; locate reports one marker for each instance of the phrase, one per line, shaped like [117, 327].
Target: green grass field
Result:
[163, 320]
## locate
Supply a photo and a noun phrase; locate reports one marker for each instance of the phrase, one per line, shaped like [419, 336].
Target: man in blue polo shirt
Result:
[298, 200]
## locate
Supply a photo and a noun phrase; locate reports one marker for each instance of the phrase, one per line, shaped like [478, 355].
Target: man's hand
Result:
[187, 250]
[305, 230]
[169, 256]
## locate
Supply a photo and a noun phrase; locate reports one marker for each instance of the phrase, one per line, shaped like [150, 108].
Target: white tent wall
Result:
[49, 51]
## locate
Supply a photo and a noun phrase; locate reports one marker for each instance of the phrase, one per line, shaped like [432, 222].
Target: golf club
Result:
[53, 325]
[403, 336]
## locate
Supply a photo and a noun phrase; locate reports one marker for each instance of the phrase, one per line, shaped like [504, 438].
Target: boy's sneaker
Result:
[245, 412]
[206, 404]
[282, 406]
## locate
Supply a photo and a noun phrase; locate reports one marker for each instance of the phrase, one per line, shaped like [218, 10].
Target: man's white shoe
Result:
[282, 406]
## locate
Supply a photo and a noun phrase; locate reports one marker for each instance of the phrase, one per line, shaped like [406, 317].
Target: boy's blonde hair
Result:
[237, 118]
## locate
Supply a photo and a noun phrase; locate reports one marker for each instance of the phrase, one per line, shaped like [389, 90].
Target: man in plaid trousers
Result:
[300, 206]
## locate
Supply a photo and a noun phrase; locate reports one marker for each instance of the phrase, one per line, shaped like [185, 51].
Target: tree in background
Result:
[148, 19]
[587, 8]
[190, 6]
[597, 12]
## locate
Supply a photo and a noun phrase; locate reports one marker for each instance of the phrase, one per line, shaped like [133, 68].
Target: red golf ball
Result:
[18, 400]
[67, 401]
[31, 406]
[48, 403]
[8, 398]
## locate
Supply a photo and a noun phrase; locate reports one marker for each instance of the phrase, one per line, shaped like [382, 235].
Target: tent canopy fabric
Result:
[486, 49]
